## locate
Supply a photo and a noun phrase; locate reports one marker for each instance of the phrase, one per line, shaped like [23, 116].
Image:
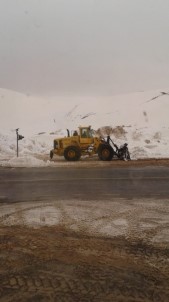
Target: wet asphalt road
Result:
[63, 183]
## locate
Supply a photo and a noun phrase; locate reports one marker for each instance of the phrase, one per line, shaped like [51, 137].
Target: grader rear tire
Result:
[72, 153]
[105, 152]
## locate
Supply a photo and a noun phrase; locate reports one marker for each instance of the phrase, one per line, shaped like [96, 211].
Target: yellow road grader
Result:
[81, 143]
[84, 142]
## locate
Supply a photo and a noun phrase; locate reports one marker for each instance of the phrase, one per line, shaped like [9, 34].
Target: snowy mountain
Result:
[139, 118]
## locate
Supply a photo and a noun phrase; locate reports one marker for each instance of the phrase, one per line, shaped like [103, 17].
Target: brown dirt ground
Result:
[57, 264]
[93, 160]
[145, 162]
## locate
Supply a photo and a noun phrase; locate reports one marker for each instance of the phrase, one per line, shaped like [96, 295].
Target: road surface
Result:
[23, 184]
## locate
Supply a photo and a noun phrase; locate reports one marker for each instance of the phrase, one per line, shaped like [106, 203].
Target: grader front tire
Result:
[72, 153]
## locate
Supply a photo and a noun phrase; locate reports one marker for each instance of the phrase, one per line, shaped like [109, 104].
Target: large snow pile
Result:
[141, 119]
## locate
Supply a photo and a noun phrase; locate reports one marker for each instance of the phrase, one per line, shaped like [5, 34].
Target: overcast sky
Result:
[84, 47]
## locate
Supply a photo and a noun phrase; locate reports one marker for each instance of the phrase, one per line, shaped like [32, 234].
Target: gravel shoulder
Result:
[94, 161]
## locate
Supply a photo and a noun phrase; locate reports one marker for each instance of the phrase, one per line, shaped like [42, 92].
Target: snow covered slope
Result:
[140, 118]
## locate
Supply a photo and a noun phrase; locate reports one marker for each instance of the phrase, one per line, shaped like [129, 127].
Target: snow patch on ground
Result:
[25, 161]
[145, 219]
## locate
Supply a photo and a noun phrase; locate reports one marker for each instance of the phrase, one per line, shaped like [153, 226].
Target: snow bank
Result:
[25, 161]
[140, 119]
[34, 151]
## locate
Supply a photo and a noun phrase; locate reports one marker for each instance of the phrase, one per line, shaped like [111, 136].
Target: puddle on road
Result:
[146, 219]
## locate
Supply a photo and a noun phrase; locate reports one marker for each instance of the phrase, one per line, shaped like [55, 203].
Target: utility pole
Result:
[18, 137]
[17, 142]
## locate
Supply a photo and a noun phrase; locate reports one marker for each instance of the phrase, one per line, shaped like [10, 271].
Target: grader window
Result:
[84, 133]
[90, 133]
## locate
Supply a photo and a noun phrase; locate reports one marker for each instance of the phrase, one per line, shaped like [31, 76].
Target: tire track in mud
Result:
[117, 269]
[6, 216]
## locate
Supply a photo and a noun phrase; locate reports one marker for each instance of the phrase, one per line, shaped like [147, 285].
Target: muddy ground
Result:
[54, 264]
[120, 253]
[93, 160]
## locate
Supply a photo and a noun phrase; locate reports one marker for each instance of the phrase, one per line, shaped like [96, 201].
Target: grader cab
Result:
[82, 142]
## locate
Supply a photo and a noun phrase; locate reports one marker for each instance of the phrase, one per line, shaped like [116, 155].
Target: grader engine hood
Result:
[66, 141]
